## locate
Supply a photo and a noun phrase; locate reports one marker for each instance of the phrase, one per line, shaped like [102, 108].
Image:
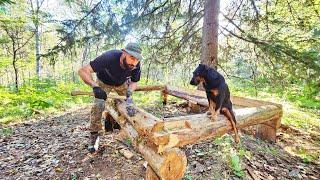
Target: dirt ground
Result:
[55, 148]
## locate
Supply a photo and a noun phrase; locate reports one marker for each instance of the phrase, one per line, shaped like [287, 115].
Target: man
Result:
[113, 68]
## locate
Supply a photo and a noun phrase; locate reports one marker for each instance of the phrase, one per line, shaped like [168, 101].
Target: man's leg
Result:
[109, 122]
[95, 124]
[95, 119]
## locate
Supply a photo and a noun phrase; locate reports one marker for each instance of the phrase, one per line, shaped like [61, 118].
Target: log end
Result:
[175, 164]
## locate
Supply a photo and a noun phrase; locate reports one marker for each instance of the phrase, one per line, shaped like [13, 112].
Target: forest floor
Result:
[54, 147]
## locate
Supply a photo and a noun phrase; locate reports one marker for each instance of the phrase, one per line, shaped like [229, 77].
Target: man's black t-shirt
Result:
[110, 61]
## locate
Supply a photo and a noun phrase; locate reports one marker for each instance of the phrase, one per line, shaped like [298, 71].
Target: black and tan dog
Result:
[218, 94]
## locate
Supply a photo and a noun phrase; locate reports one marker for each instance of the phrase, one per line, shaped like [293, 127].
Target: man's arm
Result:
[86, 75]
[129, 101]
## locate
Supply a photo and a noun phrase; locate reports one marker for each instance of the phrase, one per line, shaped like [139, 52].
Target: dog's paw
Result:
[213, 117]
[237, 138]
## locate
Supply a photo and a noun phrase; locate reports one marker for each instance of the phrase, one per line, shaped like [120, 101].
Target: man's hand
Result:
[129, 104]
[99, 93]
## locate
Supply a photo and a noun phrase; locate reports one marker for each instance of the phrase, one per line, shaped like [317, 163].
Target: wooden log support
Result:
[193, 107]
[169, 165]
[267, 131]
[200, 98]
[164, 97]
[158, 140]
[150, 88]
[196, 96]
[180, 131]
[150, 174]
[143, 121]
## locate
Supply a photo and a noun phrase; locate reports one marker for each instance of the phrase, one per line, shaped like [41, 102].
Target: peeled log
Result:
[150, 174]
[143, 121]
[200, 98]
[150, 88]
[171, 164]
[195, 96]
[180, 131]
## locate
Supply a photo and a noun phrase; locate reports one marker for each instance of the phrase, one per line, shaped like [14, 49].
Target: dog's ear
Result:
[203, 67]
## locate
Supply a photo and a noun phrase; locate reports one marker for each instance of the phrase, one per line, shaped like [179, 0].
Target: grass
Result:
[45, 96]
[295, 113]
[4, 132]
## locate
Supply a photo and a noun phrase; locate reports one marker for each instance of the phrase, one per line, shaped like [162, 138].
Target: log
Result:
[86, 93]
[164, 97]
[143, 121]
[171, 164]
[180, 131]
[150, 174]
[109, 107]
[193, 107]
[267, 131]
[150, 88]
[200, 98]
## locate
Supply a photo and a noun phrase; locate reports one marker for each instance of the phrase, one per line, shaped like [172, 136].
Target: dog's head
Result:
[201, 74]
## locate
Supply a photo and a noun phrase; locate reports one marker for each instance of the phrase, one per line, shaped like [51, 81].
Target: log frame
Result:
[157, 140]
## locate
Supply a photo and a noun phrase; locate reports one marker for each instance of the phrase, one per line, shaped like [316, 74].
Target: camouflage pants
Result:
[99, 105]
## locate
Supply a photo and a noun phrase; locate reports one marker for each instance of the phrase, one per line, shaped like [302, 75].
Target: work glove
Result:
[99, 93]
[129, 104]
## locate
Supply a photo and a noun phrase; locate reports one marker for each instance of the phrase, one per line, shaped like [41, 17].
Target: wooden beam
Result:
[170, 164]
[150, 88]
[200, 98]
[150, 174]
[180, 131]
[143, 121]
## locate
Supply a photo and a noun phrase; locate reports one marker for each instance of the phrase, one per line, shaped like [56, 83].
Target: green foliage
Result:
[299, 108]
[36, 97]
[128, 142]
[187, 177]
[306, 156]
[6, 132]
[2, 2]
[233, 156]
[236, 165]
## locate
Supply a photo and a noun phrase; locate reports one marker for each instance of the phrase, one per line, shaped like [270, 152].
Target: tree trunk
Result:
[85, 54]
[14, 60]
[148, 72]
[38, 62]
[209, 47]
[37, 39]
